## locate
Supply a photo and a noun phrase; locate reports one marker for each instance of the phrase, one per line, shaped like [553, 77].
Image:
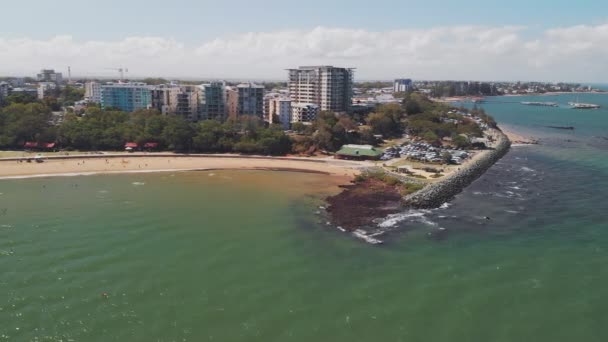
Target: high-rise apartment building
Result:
[92, 92]
[212, 99]
[327, 87]
[403, 85]
[250, 100]
[5, 90]
[49, 75]
[184, 101]
[127, 97]
[232, 102]
[279, 111]
[46, 89]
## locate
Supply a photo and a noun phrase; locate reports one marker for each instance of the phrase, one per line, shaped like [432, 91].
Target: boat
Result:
[542, 104]
[578, 105]
[562, 127]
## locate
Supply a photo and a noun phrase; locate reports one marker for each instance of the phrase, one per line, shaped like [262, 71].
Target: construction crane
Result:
[122, 72]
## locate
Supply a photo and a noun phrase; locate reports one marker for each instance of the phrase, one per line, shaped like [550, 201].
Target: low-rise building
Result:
[358, 152]
[304, 112]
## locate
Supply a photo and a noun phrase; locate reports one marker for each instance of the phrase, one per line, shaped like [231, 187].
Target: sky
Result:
[238, 39]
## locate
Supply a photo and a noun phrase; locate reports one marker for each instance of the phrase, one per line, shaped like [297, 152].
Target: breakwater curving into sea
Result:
[434, 195]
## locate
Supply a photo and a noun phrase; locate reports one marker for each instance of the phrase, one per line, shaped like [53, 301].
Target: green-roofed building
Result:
[358, 152]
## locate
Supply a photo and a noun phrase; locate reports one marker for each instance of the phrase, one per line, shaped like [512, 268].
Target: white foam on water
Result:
[138, 183]
[527, 169]
[445, 205]
[412, 215]
[512, 211]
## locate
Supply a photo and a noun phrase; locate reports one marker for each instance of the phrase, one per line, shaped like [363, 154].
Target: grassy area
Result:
[405, 188]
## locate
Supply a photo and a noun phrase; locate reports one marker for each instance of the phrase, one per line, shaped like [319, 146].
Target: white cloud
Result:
[577, 53]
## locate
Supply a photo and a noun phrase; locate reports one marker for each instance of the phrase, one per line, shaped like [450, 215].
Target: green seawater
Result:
[243, 255]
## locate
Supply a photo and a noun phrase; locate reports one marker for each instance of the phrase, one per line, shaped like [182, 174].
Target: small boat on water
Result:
[562, 127]
[577, 105]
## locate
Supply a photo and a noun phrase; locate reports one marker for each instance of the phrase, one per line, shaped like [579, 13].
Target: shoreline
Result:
[85, 165]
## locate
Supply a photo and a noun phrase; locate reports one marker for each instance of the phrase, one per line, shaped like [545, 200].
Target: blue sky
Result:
[466, 39]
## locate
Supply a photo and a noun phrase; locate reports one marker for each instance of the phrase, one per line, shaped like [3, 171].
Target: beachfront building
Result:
[160, 97]
[250, 100]
[330, 88]
[279, 112]
[358, 152]
[212, 100]
[127, 97]
[46, 89]
[304, 112]
[49, 75]
[232, 102]
[184, 101]
[92, 92]
[403, 85]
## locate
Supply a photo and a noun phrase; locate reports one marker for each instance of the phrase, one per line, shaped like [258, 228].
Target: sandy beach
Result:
[517, 138]
[121, 163]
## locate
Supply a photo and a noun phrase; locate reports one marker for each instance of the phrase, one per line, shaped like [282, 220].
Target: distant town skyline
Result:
[471, 40]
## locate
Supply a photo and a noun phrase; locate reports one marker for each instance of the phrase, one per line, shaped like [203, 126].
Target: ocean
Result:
[245, 256]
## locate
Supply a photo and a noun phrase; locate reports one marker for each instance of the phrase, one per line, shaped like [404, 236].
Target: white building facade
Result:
[92, 92]
[329, 88]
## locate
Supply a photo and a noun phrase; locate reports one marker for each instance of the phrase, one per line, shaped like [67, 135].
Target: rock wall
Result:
[435, 194]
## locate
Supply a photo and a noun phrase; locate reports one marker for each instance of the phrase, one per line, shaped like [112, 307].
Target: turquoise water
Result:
[242, 256]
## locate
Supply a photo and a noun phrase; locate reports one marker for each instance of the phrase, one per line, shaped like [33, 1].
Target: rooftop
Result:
[359, 150]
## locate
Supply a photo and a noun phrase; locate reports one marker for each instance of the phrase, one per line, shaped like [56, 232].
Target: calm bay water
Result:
[241, 256]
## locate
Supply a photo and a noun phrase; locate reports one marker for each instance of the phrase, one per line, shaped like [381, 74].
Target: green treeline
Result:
[98, 129]
[101, 129]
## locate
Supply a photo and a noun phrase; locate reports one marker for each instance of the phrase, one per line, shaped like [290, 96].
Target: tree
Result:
[24, 122]
[460, 141]
[178, 133]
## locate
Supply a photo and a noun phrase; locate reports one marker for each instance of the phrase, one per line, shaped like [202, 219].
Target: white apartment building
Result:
[92, 92]
[329, 88]
[44, 89]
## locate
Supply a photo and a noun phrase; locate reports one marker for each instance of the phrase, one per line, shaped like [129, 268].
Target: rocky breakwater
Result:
[434, 195]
